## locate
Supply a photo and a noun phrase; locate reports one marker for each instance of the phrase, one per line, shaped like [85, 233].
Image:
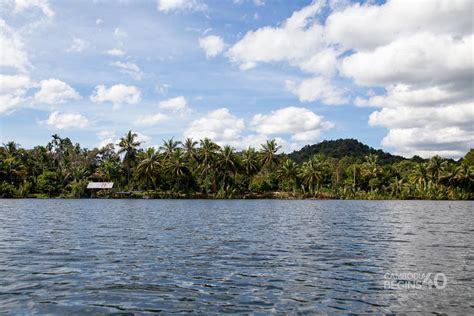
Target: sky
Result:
[396, 75]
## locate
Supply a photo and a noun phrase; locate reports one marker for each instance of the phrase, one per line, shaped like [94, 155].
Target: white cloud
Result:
[12, 91]
[43, 5]
[54, 91]
[12, 52]
[448, 141]
[366, 27]
[296, 41]
[129, 68]
[142, 138]
[212, 45]
[401, 95]
[177, 104]
[67, 120]
[219, 125]
[303, 124]
[317, 89]
[78, 45]
[106, 137]
[116, 94]
[14, 84]
[225, 128]
[179, 5]
[99, 21]
[422, 57]
[117, 52]
[151, 120]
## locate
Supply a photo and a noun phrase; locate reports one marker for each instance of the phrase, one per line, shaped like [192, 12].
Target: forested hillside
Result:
[345, 148]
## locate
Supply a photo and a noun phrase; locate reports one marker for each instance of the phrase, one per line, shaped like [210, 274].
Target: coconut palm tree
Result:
[268, 154]
[371, 169]
[227, 162]
[177, 167]
[206, 154]
[129, 145]
[190, 150]
[312, 173]
[420, 176]
[435, 168]
[288, 173]
[250, 163]
[169, 147]
[148, 168]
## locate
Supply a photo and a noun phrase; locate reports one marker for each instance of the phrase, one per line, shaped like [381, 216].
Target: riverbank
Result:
[272, 195]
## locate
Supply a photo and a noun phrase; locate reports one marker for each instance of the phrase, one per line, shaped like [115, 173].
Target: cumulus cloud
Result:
[448, 141]
[54, 91]
[303, 124]
[294, 41]
[151, 120]
[212, 45]
[67, 120]
[219, 125]
[77, 45]
[116, 94]
[177, 104]
[317, 89]
[117, 52]
[224, 128]
[12, 52]
[130, 69]
[12, 91]
[43, 5]
[415, 59]
[366, 27]
[180, 5]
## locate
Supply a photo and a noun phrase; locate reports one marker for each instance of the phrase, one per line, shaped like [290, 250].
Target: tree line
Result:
[203, 169]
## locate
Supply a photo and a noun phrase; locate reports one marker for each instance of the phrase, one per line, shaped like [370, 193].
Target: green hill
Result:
[344, 147]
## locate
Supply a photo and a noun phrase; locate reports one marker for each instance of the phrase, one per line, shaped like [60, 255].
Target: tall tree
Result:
[129, 145]
[207, 152]
[268, 154]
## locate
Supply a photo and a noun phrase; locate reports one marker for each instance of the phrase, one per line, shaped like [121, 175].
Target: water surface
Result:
[179, 256]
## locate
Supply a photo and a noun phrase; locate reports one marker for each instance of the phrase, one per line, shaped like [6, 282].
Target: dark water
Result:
[109, 256]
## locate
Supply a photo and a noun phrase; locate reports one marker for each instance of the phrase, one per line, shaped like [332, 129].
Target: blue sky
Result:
[239, 72]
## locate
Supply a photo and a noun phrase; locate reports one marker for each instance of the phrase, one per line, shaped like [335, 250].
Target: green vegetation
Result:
[342, 169]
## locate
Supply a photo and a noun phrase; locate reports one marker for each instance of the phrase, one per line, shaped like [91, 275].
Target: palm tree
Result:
[149, 166]
[435, 167]
[371, 170]
[206, 154]
[268, 156]
[227, 162]
[177, 166]
[288, 173]
[419, 176]
[190, 150]
[129, 145]
[169, 147]
[312, 172]
[250, 163]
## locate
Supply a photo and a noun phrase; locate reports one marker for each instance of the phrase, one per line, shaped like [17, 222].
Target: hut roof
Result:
[100, 185]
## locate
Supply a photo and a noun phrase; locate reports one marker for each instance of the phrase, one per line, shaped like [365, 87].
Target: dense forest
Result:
[342, 169]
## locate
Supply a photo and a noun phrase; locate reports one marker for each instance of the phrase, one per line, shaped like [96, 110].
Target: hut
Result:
[97, 186]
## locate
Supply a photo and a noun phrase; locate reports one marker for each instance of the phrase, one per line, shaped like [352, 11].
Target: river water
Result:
[213, 256]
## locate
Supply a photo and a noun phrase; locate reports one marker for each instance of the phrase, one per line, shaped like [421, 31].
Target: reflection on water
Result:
[86, 256]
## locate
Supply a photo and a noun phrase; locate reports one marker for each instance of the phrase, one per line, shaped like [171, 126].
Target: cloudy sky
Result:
[396, 74]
